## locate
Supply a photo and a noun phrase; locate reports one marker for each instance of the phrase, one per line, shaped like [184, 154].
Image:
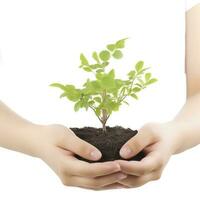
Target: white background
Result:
[191, 3]
[40, 43]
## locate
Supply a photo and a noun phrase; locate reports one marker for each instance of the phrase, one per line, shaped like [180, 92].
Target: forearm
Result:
[187, 121]
[17, 133]
[186, 124]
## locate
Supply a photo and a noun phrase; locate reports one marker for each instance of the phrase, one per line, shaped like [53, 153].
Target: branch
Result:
[123, 97]
[93, 108]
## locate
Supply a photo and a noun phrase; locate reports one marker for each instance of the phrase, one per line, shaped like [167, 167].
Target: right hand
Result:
[57, 147]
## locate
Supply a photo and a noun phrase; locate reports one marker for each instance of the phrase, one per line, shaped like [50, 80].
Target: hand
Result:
[57, 148]
[159, 142]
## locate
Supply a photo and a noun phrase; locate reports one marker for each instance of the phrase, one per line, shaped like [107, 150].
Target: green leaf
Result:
[58, 85]
[64, 94]
[95, 66]
[139, 85]
[123, 90]
[143, 70]
[99, 75]
[72, 93]
[151, 81]
[127, 82]
[96, 57]
[121, 43]
[104, 64]
[104, 55]
[77, 106]
[97, 99]
[119, 83]
[87, 69]
[99, 71]
[147, 77]
[136, 89]
[85, 84]
[69, 87]
[141, 81]
[83, 59]
[139, 66]
[112, 73]
[98, 111]
[107, 81]
[114, 106]
[93, 87]
[131, 74]
[111, 47]
[75, 96]
[117, 54]
[134, 96]
[90, 103]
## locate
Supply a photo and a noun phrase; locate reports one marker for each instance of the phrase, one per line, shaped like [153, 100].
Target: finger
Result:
[135, 181]
[151, 162]
[114, 186]
[137, 143]
[85, 169]
[98, 183]
[80, 147]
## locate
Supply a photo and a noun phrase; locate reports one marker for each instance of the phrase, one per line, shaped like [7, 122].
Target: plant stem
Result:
[124, 96]
[96, 114]
[104, 113]
[104, 119]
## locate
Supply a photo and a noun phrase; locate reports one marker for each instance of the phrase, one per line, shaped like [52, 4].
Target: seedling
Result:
[105, 93]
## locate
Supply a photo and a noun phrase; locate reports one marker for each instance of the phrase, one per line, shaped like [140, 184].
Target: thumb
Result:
[81, 147]
[145, 137]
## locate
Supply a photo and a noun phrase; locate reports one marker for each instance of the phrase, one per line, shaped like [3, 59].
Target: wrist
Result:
[36, 140]
[174, 131]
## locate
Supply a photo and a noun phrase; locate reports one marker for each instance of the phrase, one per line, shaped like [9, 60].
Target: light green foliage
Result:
[105, 93]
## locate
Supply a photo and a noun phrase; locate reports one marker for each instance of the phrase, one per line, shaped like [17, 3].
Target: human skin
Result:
[56, 145]
[161, 141]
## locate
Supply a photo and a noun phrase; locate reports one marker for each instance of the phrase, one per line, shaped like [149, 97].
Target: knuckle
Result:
[82, 148]
[153, 129]
[95, 184]
[135, 184]
[66, 181]
[160, 163]
[136, 145]
[89, 174]
[157, 176]
[62, 169]
[142, 171]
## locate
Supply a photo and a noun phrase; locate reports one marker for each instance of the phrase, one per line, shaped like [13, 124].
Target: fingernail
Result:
[125, 152]
[95, 155]
[121, 176]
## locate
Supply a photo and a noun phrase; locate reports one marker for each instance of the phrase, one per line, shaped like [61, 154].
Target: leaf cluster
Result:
[105, 92]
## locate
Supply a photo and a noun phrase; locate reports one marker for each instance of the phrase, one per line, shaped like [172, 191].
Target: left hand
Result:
[159, 142]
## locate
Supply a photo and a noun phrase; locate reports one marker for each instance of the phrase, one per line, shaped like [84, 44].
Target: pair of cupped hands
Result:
[59, 145]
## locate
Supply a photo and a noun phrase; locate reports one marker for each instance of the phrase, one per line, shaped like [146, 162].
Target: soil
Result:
[108, 143]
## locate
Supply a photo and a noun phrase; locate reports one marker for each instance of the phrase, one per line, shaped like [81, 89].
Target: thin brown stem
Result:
[96, 114]
[123, 97]
[104, 112]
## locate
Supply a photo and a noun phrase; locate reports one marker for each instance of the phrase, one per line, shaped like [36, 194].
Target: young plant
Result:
[105, 93]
